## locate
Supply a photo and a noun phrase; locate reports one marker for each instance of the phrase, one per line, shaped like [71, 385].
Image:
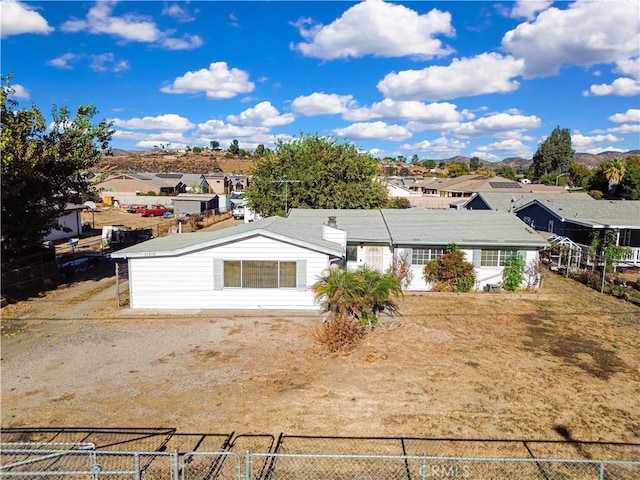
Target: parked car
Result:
[154, 211]
[238, 212]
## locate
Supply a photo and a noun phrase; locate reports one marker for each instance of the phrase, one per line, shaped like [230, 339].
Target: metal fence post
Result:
[136, 466]
[176, 465]
[247, 465]
[601, 476]
[423, 469]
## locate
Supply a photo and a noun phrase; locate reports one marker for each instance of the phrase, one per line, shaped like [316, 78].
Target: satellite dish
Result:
[90, 204]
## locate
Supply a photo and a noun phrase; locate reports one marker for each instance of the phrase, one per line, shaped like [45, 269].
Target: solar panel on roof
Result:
[505, 185]
[169, 175]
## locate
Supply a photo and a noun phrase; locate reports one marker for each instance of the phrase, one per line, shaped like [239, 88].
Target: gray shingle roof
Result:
[417, 226]
[361, 225]
[596, 213]
[273, 227]
[508, 201]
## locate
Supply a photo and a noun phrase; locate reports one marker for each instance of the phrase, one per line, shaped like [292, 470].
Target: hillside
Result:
[208, 162]
[163, 162]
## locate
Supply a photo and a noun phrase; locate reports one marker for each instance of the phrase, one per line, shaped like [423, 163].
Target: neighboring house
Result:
[375, 237]
[217, 183]
[268, 263]
[509, 201]
[450, 187]
[195, 183]
[195, 203]
[68, 225]
[578, 218]
[133, 183]
[237, 182]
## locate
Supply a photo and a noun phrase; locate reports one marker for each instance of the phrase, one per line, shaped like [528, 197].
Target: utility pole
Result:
[286, 182]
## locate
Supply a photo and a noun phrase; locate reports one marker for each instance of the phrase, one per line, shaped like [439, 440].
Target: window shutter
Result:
[218, 274]
[477, 257]
[301, 274]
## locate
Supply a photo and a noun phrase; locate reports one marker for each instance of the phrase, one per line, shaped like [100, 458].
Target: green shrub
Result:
[513, 273]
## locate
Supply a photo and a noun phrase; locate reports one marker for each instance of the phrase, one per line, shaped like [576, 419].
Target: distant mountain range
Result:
[589, 159]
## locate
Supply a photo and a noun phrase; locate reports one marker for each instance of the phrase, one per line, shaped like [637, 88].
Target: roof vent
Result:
[332, 222]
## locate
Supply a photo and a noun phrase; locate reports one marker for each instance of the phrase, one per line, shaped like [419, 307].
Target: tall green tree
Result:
[474, 164]
[553, 157]
[631, 181]
[42, 166]
[234, 148]
[215, 145]
[314, 172]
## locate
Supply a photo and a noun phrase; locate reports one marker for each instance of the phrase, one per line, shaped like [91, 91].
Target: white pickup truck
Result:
[238, 211]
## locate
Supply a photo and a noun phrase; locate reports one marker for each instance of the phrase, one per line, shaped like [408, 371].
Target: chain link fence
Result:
[60, 461]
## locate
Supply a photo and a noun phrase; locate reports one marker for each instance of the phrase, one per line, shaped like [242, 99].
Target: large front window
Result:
[259, 274]
[496, 258]
[420, 256]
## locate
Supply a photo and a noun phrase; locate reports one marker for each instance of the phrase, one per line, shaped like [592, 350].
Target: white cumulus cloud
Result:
[499, 125]
[19, 91]
[528, 9]
[631, 115]
[624, 87]
[321, 103]
[433, 113]
[217, 129]
[17, 18]
[505, 148]
[378, 28]
[466, 77]
[585, 141]
[217, 82]
[129, 27]
[262, 115]
[442, 146]
[374, 130]
[584, 34]
[168, 121]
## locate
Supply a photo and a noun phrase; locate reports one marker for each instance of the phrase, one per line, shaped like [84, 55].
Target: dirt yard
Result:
[561, 363]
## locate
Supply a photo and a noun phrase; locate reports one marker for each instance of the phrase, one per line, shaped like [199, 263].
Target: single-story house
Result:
[132, 183]
[271, 263]
[268, 263]
[578, 218]
[376, 237]
[68, 224]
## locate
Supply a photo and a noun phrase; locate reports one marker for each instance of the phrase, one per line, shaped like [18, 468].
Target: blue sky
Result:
[434, 79]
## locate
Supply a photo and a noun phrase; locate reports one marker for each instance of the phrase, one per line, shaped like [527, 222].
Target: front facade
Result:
[272, 263]
[376, 237]
[267, 264]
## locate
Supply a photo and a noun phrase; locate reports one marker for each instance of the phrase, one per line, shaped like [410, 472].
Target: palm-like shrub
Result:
[354, 299]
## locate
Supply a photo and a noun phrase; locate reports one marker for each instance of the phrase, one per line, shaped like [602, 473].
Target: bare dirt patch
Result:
[565, 361]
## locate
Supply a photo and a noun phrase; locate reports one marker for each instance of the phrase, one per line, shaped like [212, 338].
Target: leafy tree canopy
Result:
[554, 156]
[314, 172]
[507, 172]
[42, 166]
[631, 181]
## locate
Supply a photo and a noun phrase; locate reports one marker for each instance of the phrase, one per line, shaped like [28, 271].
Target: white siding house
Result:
[375, 237]
[269, 263]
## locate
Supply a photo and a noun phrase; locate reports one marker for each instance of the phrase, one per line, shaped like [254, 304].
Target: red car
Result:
[153, 211]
